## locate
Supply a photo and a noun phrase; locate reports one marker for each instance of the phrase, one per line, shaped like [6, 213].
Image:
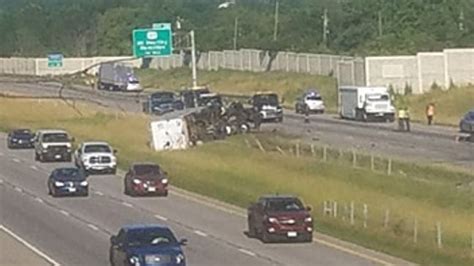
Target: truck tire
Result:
[265, 237]
[251, 227]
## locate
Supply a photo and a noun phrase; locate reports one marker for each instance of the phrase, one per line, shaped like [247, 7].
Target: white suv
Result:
[96, 157]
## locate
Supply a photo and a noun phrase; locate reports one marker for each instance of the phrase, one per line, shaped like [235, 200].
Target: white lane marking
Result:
[199, 233]
[18, 189]
[93, 227]
[127, 204]
[39, 200]
[157, 216]
[250, 253]
[1, 181]
[33, 167]
[30, 246]
[1, 154]
[64, 212]
[16, 160]
[353, 252]
[99, 193]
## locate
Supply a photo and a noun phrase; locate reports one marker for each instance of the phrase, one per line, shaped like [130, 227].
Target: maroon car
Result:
[275, 218]
[146, 179]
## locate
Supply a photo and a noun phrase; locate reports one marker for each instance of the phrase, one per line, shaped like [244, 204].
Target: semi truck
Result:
[113, 76]
[366, 103]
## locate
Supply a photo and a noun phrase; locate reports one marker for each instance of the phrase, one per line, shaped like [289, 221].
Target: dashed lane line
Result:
[39, 200]
[199, 233]
[157, 216]
[250, 253]
[93, 227]
[127, 204]
[99, 193]
[30, 246]
[16, 160]
[19, 189]
[65, 213]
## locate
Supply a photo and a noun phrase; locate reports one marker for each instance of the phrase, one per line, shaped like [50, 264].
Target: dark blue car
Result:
[20, 138]
[467, 122]
[68, 181]
[151, 245]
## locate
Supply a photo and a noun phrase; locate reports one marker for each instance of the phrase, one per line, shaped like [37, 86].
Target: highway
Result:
[434, 145]
[76, 231]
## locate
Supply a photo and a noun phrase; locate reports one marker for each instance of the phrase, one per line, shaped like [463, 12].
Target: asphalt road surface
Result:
[435, 144]
[76, 231]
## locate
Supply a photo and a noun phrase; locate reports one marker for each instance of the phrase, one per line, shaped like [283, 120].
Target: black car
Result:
[146, 245]
[162, 102]
[68, 181]
[20, 138]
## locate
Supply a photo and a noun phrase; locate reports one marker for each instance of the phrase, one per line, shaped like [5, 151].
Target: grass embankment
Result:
[232, 172]
[451, 105]
[287, 85]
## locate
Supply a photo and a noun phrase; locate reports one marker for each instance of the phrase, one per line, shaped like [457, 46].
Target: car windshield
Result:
[377, 97]
[55, 137]
[97, 148]
[68, 174]
[313, 98]
[147, 169]
[470, 116]
[270, 99]
[285, 205]
[150, 237]
[22, 133]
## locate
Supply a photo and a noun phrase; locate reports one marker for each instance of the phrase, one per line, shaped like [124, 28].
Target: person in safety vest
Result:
[403, 119]
[430, 112]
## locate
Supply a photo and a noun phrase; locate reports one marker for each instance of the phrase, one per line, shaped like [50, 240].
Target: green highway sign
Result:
[154, 42]
[55, 60]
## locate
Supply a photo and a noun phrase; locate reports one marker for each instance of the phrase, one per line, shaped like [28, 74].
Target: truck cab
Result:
[276, 217]
[96, 157]
[53, 145]
[268, 105]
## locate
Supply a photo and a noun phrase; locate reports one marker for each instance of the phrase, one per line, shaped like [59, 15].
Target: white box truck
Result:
[366, 103]
[113, 76]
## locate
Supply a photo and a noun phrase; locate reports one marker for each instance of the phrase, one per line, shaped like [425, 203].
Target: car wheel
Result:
[86, 194]
[41, 158]
[252, 229]
[54, 194]
[308, 238]
[266, 238]
[36, 157]
[113, 171]
[165, 194]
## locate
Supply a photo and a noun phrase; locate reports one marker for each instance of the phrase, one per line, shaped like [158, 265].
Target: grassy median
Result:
[236, 173]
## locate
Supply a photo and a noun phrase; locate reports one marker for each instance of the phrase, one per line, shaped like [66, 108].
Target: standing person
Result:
[430, 112]
[407, 119]
[401, 119]
[306, 114]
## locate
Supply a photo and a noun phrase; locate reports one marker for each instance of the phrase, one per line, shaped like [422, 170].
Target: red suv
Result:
[280, 218]
[146, 179]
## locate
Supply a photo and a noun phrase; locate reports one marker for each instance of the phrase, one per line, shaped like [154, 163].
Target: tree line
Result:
[356, 27]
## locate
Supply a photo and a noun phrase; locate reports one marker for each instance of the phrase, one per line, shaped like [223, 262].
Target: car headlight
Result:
[14, 140]
[84, 183]
[164, 181]
[308, 219]
[137, 181]
[58, 184]
[134, 260]
[272, 220]
[179, 258]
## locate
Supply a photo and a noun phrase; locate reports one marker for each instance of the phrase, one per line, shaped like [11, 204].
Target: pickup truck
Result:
[96, 157]
[276, 217]
[53, 145]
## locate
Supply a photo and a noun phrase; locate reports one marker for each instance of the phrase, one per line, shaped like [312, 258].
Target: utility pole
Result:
[193, 58]
[236, 31]
[275, 28]
[380, 23]
[325, 26]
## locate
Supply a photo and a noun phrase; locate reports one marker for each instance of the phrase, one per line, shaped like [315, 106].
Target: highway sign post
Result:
[55, 60]
[154, 42]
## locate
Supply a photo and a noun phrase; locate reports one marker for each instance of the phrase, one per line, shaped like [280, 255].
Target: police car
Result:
[311, 101]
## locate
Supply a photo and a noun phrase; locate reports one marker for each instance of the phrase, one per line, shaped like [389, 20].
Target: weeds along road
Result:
[435, 145]
[76, 231]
